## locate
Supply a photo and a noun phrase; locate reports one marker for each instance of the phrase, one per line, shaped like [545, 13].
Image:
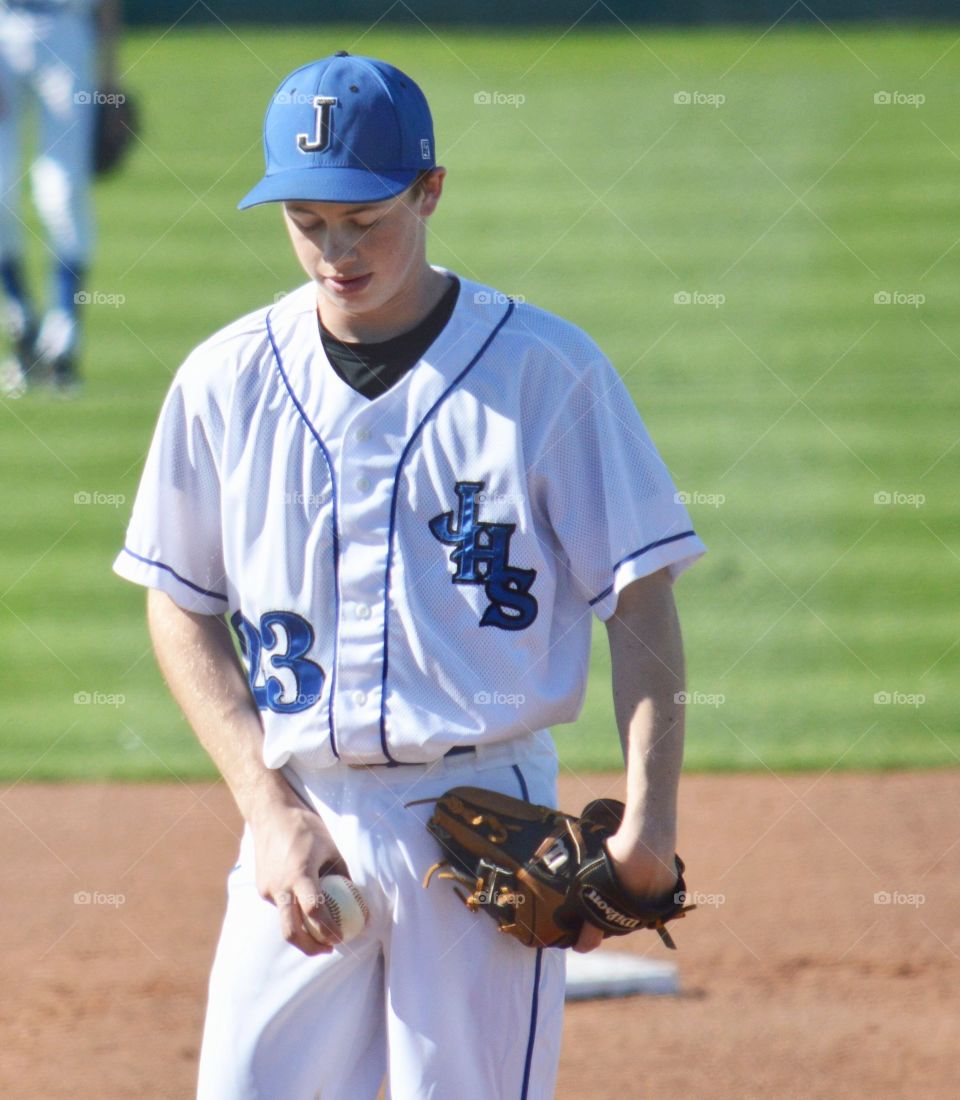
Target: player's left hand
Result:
[640, 870]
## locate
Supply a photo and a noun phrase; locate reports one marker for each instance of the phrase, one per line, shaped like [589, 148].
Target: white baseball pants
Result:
[430, 996]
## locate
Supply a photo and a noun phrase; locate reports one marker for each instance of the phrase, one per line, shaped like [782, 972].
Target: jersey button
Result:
[363, 434]
[363, 611]
[363, 484]
[359, 697]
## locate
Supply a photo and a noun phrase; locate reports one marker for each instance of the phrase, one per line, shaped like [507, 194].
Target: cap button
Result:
[341, 53]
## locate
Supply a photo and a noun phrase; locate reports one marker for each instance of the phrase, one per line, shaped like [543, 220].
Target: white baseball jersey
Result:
[418, 571]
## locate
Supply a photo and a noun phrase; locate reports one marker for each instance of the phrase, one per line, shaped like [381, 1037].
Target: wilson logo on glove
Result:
[596, 903]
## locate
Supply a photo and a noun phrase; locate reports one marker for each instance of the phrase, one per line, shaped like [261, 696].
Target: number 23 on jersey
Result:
[282, 678]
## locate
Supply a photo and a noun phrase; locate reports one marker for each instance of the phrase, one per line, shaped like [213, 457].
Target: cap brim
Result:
[349, 185]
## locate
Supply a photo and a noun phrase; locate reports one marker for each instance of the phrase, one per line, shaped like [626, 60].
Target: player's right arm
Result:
[291, 843]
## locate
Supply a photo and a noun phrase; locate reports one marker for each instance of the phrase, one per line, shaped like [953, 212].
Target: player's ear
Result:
[431, 187]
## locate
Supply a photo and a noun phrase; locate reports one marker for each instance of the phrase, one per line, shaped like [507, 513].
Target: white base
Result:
[615, 974]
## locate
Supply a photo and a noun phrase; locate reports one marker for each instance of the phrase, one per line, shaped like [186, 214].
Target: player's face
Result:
[368, 261]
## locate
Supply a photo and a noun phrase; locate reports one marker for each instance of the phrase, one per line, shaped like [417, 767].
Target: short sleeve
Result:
[174, 539]
[611, 502]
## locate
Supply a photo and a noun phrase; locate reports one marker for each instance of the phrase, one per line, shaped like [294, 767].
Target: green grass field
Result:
[782, 411]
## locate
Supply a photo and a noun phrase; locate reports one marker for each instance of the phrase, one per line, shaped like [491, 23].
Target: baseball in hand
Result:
[346, 906]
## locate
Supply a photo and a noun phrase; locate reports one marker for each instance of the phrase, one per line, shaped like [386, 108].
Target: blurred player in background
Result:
[54, 56]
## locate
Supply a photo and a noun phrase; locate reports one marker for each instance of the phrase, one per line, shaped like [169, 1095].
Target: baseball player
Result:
[405, 496]
[49, 63]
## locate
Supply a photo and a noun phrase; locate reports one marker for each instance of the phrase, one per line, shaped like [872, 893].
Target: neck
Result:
[400, 314]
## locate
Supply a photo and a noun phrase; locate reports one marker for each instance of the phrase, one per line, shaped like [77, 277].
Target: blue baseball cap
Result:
[344, 129]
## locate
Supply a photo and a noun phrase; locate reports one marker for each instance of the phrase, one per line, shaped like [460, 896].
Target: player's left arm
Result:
[646, 651]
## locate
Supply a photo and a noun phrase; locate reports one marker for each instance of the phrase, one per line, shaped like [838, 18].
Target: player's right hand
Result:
[292, 850]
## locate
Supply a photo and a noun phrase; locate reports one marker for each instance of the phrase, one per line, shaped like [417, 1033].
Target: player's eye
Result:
[304, 221]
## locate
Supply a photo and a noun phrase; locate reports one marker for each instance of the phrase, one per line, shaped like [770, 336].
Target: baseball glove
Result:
[116, 126]
[541, 873]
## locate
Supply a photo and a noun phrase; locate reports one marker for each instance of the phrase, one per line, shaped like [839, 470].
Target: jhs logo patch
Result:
[481, 555]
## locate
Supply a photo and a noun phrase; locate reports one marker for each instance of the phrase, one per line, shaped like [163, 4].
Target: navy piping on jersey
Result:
[393, 516]
[637, 554]
[336, 537]
[174, 573]
[525, 794]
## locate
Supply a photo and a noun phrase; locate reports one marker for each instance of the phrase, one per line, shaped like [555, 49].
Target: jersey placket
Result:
[367, 468]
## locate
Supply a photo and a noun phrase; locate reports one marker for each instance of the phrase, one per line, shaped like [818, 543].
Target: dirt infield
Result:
[823, 961]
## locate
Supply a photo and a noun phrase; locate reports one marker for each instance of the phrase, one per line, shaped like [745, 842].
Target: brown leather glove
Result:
[541, 873]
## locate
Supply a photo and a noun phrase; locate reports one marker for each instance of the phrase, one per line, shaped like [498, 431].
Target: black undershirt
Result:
[371, 369]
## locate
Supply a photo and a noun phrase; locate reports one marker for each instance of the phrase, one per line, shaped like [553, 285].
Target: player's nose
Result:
[340, 251]
[339, 260]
